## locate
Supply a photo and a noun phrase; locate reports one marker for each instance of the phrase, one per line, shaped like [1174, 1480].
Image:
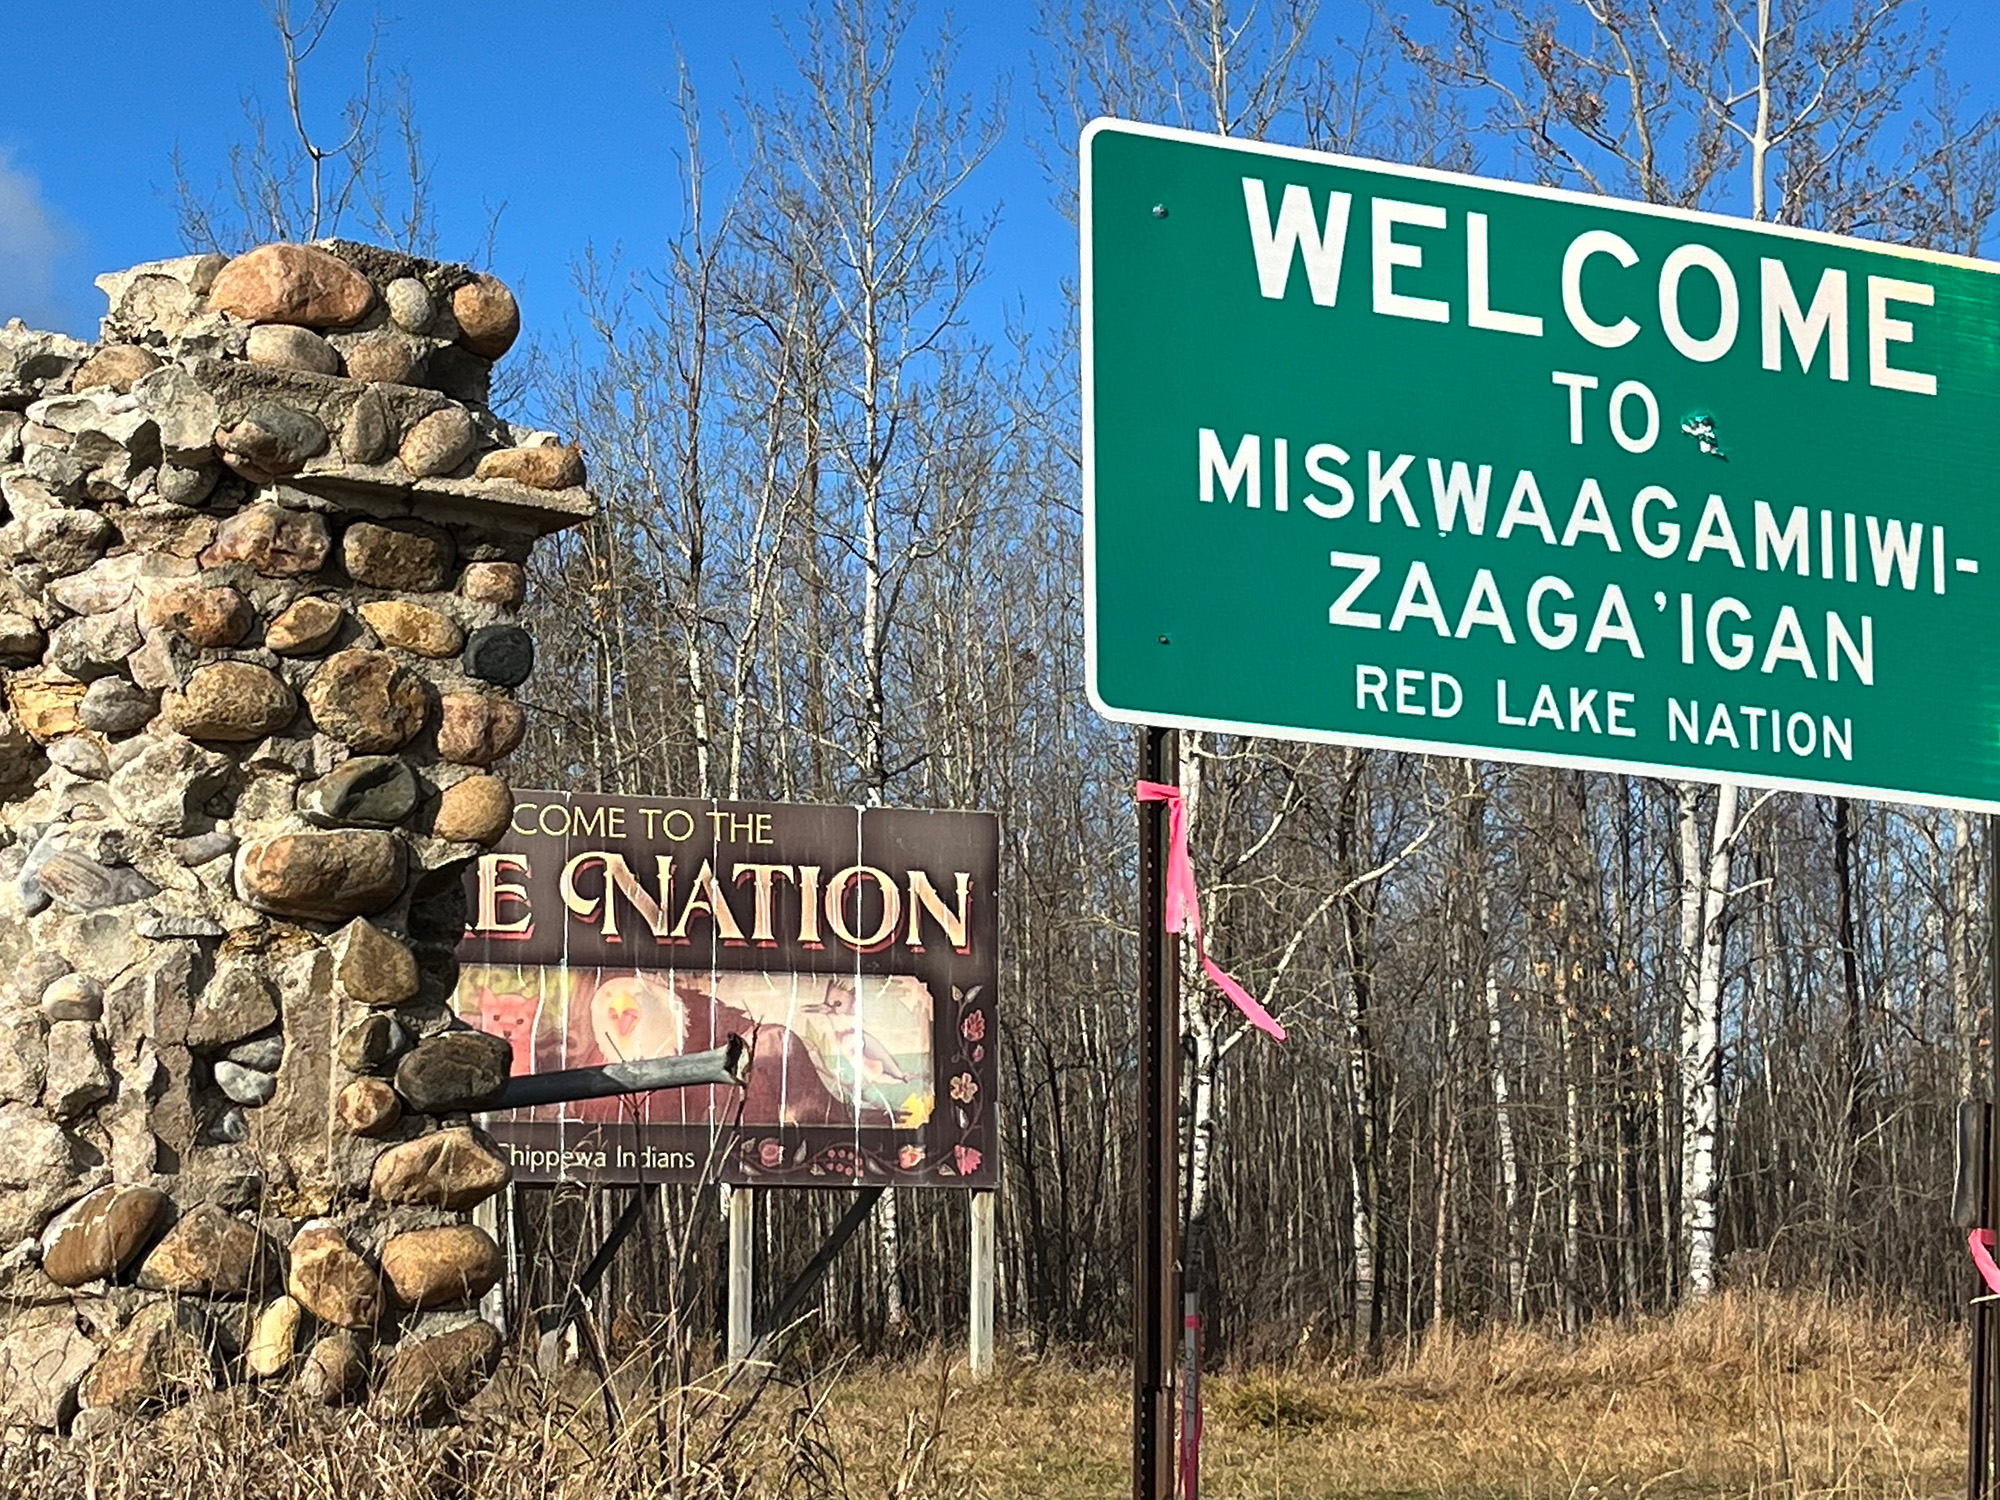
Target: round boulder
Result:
[489, 319]
[204, 616]
[305, 627]
[428, 1378]
[454, 1071]
[476, 810]
[323, 877]
[299, 284]
[415, 628]
[368, 1107]
[331, 1282]
[368, 700]
[454, 1168]
[410, 558]
[476, 729]
[439, 443]
[232, 701]
[291, 348]
[550, 468]
[436, 1267]
[98, 1236]
[503, 655]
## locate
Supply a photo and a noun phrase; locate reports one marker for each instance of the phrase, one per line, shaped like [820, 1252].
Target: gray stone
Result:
[410, 304]
[94, 646]
[373, 791]
[245, 1086]
[236, 1003]
[230, 1127]
[372, 1043]
[75, 882]
[67, 541]
[203, 847]
[80, 757]
[164, 785]
[500, 654]
[291, 348]
[439, 443]
[181, 925]
[264, 1053]
[78, 1076]
[41, 1168]
[24, 1058]
[21, 640]
[180, 484]
[364, 436]
[44, 1357]
[115, 706]
[32, 361]
[453, 1071]
[271, 441]
[184, 414]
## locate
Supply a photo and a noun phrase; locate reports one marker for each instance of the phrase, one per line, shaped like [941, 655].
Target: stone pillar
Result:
[263, 549]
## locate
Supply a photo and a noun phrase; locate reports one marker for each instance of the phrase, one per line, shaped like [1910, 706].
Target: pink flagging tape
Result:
[1183, 912]
[1980, 1243]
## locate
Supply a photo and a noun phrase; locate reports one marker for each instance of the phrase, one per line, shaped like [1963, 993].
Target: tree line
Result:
[1564, 1045]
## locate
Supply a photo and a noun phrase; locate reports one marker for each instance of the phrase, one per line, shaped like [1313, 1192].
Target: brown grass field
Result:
[1752, 1395]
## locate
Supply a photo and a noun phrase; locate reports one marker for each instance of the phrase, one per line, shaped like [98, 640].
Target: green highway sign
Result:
[1408, 459]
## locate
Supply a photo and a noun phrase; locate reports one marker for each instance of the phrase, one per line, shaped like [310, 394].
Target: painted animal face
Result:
[635, 1016]
[511, 1016]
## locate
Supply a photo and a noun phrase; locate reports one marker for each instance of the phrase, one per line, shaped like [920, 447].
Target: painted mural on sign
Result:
[854, 950]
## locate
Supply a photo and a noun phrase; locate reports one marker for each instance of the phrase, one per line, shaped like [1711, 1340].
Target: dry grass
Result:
[1754, 1395]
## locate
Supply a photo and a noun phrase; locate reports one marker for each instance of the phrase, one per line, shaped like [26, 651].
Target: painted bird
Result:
[636, 1016]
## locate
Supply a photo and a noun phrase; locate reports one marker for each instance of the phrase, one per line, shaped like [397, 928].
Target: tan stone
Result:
[231, 701]
[205, 616]
[292, 284]
[476, 729]
[413, 627]
[209, 1253]
[115, 367]
[46, 707]
[274, 1340]
[306, 626]
[436, 1267]
[489, 319]
[331, 1282]
[290, 348]
[272, 540]
[438, 443]
[502, 583]
[453, 1168]
[368, 1106]
[163, 1356]
[335, 1370]
[425, 1379]
[409, 557]
[386, 357]
[374, 968]
[367, 700]
[551, 468]
[97, 1236]
[476, 810]
[324, 877]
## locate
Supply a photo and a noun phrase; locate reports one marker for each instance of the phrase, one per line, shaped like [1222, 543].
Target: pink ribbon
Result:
[1980, 1243]
[1183, 912]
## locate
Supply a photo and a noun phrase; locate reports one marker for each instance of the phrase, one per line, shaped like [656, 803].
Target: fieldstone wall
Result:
[262, 551]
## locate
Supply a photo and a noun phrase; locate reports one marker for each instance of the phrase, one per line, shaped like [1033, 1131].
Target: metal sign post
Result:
[1155, 1316]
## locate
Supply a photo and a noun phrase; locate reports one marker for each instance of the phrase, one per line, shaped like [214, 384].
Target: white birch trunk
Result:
[1704, 896]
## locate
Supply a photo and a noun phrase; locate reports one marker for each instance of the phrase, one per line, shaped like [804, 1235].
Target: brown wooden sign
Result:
[855, 949]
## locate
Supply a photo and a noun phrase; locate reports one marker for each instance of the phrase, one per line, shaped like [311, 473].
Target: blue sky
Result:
[560, 111]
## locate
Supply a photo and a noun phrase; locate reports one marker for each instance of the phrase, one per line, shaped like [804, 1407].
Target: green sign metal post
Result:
[1406, 459]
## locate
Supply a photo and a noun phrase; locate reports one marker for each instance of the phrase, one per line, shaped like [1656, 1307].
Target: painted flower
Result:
[964, 1088]
[770, 1154]
[910, 1158]
[973, 1027]
[967, 1159]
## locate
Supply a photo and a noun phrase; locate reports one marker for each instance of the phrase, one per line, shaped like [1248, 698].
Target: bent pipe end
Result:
[723, 1066]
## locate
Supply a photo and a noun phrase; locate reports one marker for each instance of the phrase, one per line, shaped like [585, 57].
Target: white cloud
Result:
[32, 242]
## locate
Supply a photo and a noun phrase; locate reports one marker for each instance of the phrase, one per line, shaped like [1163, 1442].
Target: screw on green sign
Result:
[1408, 459]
